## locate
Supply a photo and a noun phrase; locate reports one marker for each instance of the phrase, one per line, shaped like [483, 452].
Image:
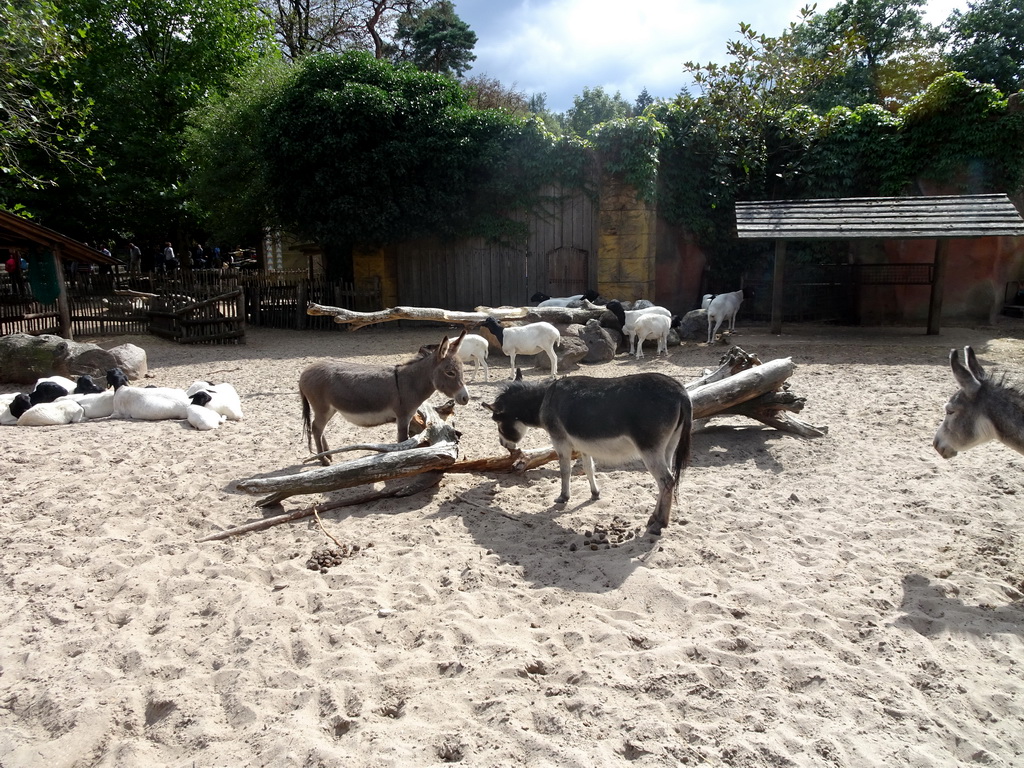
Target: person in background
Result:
[106, 269]
[15, 267]
[134, 259]
[170, 261]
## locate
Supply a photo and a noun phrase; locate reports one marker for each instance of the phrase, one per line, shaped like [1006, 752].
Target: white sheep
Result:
[97, 405]
[202, 418]
[724, 307]
[526, 340]
[223, 398]
[548, 301]
[474, 348]
[52, 414]
[652, 326]
[150, 403]
[627, 318]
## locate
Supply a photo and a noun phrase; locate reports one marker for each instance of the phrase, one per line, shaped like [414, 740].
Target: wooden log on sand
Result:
[562, 315]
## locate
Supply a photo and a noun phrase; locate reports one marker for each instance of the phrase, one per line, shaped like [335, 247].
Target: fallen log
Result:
[734, 361]
[405, 487]
[711, 399]
[355, 320]
[771, 409]
[368, 469]
[515, 461]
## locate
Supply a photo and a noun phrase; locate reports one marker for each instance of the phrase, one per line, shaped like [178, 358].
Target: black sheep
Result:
[46, 392]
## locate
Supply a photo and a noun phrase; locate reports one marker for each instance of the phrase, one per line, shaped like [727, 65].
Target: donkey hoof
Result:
[561, 500]
[654, 527]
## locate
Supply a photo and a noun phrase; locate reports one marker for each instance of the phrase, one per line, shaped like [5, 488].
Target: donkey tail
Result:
[307, 430]
[685, 426]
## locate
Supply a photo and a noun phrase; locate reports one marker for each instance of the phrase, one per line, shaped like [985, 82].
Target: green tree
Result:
[643, 101]
[43, 113]
[145, 65]
[593, 107]
[987, 42]
[889, 51]
[730, 141]
[358, 151]
[436, 40]
[225, 181]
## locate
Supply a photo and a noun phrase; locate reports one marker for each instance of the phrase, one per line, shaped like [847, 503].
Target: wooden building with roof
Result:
[47, 251]
[941, 218]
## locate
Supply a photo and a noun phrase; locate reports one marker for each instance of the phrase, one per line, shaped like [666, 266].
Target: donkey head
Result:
[968, 420]
[447, 370]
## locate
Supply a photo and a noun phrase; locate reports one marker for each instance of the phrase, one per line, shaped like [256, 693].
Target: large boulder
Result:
[569, 352]
[601, 342]
[694, 325]
[25, 358]
[130, 359]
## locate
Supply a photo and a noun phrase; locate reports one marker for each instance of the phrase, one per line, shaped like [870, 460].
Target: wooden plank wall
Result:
[464, 274]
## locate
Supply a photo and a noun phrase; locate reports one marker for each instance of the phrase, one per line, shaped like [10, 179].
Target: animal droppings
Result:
[619, 532]
[322, 559]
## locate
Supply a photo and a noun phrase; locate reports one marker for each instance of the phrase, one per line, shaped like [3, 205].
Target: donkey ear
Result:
[972, 364]
[488, 406]
[455, 344]
[442, 349]
[965, 378]
[519, 374]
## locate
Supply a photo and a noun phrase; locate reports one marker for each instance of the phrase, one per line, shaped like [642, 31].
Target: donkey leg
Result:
[588, 467]
[655, 462]
[317, 428]
[564, 452]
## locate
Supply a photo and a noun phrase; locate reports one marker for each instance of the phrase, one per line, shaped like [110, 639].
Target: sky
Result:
[558, 47]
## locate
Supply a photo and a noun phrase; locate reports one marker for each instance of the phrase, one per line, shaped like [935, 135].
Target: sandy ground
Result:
[853, 600]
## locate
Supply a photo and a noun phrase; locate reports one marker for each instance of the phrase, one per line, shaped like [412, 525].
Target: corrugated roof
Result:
[884, 218]
[19, 232]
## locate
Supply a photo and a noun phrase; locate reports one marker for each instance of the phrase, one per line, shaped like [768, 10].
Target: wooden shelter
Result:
[20, 234]
[881, 218]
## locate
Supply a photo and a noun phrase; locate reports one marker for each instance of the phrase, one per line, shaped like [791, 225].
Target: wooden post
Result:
[301, 300]
[938, 284]
[778, 285]
[63, 305]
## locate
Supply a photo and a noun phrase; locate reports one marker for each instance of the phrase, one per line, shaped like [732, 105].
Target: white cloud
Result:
[558, 47]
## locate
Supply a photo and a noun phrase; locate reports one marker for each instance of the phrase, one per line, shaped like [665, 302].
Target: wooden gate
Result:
[563, 271]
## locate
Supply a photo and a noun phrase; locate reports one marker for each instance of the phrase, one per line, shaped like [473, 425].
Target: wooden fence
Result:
[205, 306]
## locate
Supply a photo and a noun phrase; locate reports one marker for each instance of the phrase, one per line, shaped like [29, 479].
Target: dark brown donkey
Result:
[370, 395]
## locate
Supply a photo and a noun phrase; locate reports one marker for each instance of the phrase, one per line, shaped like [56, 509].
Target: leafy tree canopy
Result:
[593, 107]
[889, 52]
[145, 65]
[436, 40]
[44, 116]
[987, 42]
[355, 150]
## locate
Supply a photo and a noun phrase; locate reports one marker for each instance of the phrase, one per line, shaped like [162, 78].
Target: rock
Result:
[93, 361]
[569, 352]
[601, 344]
[130, 359]
[25, 358]
[694, 326]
